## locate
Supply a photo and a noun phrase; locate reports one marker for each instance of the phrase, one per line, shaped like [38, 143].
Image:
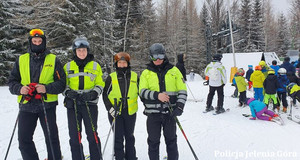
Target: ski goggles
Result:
[157, 56]
[82, 43]
[36, 33]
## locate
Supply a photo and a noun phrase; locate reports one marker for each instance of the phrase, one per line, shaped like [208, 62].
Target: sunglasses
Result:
[36, 33]
[157, 56]
[81, 43]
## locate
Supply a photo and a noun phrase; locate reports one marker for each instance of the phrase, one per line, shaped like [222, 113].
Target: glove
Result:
[253, 118]
[72, 94]
[177, 112]
[89, 96]
[112, 112]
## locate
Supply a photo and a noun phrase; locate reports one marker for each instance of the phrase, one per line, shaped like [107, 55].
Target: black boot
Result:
[209, 108]
[220, 110]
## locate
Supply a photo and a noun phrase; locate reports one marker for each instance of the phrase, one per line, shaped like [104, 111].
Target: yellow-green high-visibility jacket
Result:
[46, 76]
[149, 88]
[92, 77]
[132, 92]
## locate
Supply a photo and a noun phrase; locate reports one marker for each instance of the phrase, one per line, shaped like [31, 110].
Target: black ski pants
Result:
[242, 98]
[124, 129]
[156, 123]
[26, 128]
[210, 96]
[83, 115]
[282, 98]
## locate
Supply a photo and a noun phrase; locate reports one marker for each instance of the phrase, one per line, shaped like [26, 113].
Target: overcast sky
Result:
[279, 6]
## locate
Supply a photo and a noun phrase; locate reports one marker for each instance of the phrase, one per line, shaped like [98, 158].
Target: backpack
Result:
[214, 73]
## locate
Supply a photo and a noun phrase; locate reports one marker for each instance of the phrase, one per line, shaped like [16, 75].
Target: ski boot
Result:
[220, 110]
[284, 109]
[209, 108]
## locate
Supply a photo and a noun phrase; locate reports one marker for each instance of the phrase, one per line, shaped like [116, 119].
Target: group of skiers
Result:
[38, 77]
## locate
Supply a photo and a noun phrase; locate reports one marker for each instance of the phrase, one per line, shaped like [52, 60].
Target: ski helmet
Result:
[157, 51]
[80, 43]
[271, 71]
[122, 56]
[258, 67]
[217, 57]
[282, 71]
[262, 63]
[240, 72]
[249, 100]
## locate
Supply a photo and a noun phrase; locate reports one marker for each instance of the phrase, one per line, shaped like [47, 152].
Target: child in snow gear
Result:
[293, 91]
[270, 85]
[36, 73]
[235, 92]
[248, 74]
[84, 85]
[241, 85]
[161, 85]
[217, 80]
[122, 85]
[264, 68]
[180, 64]
[281, 90]
[257, 77]
[259, 108]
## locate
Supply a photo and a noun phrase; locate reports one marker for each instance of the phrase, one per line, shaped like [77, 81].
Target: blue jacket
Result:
[248, 74]
[283, 82]
[276, 68]
[256, 106]
[288, 66]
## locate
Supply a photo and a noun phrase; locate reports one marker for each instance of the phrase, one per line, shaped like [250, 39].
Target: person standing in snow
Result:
[241, 85]
[281, 90]
[271, 85]
[43, 71]
[288, 66]
[258, 78]
[123, 86]
[84, 86]
[180, 64]
[192, 75]
[163, 92]
[248, 74]
[264, 68]
[275, 66]
[259, 109]
[217, 80]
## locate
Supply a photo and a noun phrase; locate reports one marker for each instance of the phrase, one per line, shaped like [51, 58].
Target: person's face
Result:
[158, 62]
[122, 64]
[81, 53]
[37, 40]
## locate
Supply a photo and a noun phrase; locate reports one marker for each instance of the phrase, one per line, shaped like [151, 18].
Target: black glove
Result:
[177, 112]
[72, 94]
[89, 96]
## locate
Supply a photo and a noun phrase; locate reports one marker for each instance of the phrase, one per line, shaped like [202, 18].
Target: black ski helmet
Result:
[157, 48]
[217, 57]
[80, 43]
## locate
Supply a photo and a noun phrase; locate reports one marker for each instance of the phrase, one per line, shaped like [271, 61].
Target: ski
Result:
[227, 110]
[290, 118]
[195, 100]
[246, 115]
[207, 111]
[278, 121]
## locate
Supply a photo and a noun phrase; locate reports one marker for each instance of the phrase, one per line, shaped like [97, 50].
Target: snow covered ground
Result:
[226, 136]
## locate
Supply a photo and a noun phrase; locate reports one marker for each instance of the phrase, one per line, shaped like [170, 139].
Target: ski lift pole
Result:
[180, 127]
[12, 135]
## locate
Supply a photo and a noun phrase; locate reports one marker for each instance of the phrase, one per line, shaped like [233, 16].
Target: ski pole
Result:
[12, 135]
[191, 92]
[78, 130]
[48, 128]
[112, 125]
[180, 127]
[93, 129]
[114, 138]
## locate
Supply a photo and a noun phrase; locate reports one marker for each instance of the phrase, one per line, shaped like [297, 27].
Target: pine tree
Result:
[270, 27]
[244, 22]
[282, 36]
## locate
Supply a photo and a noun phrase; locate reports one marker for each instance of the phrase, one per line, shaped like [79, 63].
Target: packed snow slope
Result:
[225, 136]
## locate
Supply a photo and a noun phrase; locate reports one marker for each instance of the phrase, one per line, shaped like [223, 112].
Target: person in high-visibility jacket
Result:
[84, 86]
[122, 85]
[163, 92]
[35, 73]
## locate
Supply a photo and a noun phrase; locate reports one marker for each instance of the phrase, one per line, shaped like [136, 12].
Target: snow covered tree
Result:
[295, 24]
[270, 27]
[282, 39]
[244, 22]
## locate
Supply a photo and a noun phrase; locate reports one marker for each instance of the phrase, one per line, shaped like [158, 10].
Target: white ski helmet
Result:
[282, 71]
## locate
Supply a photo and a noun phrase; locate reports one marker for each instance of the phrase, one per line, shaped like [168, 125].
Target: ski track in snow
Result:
[223, 136]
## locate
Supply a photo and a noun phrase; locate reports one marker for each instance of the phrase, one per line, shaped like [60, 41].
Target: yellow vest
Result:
[132, 92]
[46, 76]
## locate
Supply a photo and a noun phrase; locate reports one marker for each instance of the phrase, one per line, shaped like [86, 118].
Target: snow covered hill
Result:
[226, 136]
